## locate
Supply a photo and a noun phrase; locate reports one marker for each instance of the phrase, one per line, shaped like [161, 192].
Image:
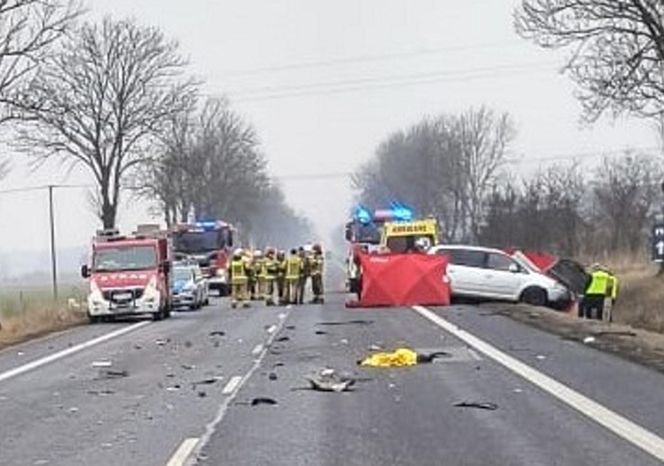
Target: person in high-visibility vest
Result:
[269, 275]
[293, 273]
[280, 262]
[592, 304]
[239, 280]
[611, 296]
[317, 274]
[260, 274]
[305, 274]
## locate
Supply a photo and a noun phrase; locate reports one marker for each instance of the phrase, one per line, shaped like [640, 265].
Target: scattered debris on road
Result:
[104, 392]
[187, 367]
[327, 380]
[209, 381]
[105, 373]
[162, 341]
[102, 364]
[290, 327]
[258, 401]
[217, 333]
[588, 340]
[541, 357]
[347, 322]
[615, 333]
[477, 405]
[272, 376]
[321, 332]
[202, 394]
[282, 339]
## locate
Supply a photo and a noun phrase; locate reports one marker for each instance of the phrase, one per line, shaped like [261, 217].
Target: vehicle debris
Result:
[187, 367]
[272, 376]
[282, 339]
[541, 357]
[102, 364]
[104, 392]
[321, 332]
[615, 333]
[202, 394]
[173, 388]
[258, 401]
[217, 333]
[327, 380]
[188, 344]
[162, 341]
[347, 322]
[290, 327]
[477, 404]
[209, 381]
[112, 374]
[588, 340]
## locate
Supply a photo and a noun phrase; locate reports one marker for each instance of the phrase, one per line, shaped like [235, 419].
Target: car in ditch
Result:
[486, 273]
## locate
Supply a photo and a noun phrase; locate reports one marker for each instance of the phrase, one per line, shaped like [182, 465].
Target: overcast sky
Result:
[325, 81]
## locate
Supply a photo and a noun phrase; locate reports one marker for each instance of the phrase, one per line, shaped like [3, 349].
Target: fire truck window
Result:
[128, 258]
[197, 242]
[398, 244]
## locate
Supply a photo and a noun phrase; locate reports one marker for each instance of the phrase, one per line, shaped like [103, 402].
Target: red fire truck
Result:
[210, 243]
[129, 275]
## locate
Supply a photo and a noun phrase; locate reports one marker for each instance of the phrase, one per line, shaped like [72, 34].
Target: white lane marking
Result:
[212, 425]
[232, 385]
[69, 351]
[623, 427]
[181, 455]
[271, 329]
[257, 350]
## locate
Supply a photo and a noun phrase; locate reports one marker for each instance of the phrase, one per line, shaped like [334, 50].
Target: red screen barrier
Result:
[403, 280]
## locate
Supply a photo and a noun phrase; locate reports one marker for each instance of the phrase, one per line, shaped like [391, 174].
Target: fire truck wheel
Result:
[167, 312]
[94, 319]
[159, 315]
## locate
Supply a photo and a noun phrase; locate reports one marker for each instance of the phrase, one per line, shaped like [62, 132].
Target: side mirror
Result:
[514, 268]
[85, 271]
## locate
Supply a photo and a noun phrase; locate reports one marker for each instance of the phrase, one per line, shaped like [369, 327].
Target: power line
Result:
[366, 58]
[44, 187]
[269, 92]
[582, 155]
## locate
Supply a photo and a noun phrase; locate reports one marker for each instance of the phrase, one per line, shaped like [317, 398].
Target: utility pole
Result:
[54, 266]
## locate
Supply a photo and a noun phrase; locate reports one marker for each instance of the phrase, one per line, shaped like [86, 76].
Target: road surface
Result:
[183, 388]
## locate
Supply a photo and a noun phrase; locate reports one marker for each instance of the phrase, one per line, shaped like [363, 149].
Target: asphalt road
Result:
[185, 380]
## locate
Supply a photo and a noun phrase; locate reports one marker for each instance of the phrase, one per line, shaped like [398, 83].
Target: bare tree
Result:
[484, 138]
[28, 30]
[624, 197]
[100, 102]
[617, 49]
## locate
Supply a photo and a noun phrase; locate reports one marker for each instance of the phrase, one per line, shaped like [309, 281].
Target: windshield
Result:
[403, 244]
[181, 274]
[367, 233]
[196, 242]
[125, 258]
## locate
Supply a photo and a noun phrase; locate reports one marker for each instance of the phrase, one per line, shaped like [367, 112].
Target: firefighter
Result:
[270, 275]
[317, 262]
[305, 273]
[239, 280]
[251, 275]
[281, 276]
[597, 289]
[260, 275]
[293, 277]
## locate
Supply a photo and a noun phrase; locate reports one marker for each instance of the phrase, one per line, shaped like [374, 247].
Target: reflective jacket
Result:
[599, 283]
[293, 268]
[238, 272]
[316, 265]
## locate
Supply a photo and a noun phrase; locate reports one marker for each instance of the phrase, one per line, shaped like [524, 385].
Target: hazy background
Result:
[324, 82]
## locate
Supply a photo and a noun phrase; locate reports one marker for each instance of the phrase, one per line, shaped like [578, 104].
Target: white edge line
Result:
[68, 351]
[212, 425]
[257, 349]
[621, 426]
[232, 385]
[182, 453]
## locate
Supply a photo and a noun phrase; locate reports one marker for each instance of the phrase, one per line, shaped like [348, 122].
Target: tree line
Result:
[456, 169]
[115, 97]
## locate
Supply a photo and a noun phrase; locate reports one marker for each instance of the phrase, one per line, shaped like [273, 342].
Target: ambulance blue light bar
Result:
[401, 212]
[362, 215]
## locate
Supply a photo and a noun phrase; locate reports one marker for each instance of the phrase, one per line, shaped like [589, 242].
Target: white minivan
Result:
[478, 272]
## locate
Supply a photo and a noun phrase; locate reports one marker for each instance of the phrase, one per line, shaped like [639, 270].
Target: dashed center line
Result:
[232, 385]
[181, 455]
[257, 350]
[271, 329]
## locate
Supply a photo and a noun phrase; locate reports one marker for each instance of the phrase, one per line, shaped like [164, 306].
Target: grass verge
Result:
[30, 313]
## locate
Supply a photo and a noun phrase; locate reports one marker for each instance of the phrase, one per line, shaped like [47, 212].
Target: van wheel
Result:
[534, 296]
[159, 315]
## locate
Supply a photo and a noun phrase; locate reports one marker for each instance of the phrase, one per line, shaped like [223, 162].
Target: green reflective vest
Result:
[599, 283]
[238, 272]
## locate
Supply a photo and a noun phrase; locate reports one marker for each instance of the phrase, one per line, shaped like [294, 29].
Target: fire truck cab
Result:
[129, 275]
[210, 244]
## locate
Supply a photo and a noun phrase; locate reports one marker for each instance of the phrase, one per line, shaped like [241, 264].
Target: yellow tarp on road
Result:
[401, 357]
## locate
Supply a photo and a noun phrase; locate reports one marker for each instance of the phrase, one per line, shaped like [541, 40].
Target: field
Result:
[30, 311]
[641, 300]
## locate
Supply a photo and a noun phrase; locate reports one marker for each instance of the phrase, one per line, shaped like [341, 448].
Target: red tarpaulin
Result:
[403, 280]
